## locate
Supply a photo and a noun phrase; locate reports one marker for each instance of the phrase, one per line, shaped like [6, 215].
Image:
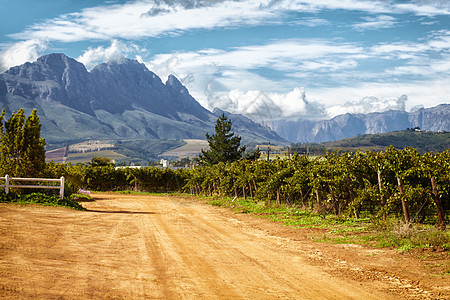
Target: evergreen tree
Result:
[224, 146]
[21, 146]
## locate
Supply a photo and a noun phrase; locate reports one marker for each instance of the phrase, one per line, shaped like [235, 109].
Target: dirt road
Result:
[150, 247]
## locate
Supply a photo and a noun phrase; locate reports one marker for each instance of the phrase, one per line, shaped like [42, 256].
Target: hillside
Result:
[423, 141]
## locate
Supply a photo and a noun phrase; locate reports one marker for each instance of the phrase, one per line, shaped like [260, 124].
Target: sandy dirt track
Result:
[155, 247]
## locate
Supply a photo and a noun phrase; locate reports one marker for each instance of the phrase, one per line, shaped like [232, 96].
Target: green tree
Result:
[100, 161]
[224, 146]
[252, 154]
[21, 146]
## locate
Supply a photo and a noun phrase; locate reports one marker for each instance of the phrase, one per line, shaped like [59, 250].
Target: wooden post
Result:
[437, 200]
[383, 201]
[333, 200]
[318, 198]
[352, 197]
[404, 204]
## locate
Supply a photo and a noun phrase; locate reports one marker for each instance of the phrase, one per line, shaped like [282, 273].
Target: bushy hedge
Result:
[109, 178]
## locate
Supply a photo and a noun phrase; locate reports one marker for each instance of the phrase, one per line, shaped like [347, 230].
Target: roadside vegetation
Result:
[392, 232]
[41, 198]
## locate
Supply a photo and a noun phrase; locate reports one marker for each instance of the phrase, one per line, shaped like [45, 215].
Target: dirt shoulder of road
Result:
[419, 271]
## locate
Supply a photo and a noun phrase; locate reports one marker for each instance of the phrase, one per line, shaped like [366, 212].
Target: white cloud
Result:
[21, 52]
[427, 93]
[437, 41]
[286, 55]
[145, 18]
[213, 73]
[262, 106]
[132, 21]
[368, 104]
[432, 8]
[377, 22]
[116, 51]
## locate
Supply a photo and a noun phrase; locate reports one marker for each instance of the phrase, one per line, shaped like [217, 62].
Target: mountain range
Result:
[114, 101]
[123, 100]
[351, 125]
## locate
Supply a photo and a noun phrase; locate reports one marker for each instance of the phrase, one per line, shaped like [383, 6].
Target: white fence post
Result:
[6, 184]
[61, 189]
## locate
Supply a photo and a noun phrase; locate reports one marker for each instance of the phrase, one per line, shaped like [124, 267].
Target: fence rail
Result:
[8, 184]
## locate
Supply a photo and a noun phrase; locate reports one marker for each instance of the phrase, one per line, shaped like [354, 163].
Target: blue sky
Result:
[267, 59]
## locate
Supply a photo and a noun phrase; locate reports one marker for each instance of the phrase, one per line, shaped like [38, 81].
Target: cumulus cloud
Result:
[271, 106]
[428, 93]
[368, 105]
[118, 50]
[21, 52]
[262, 106]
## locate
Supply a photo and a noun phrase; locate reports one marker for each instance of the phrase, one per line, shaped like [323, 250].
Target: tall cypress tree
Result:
[224, 146]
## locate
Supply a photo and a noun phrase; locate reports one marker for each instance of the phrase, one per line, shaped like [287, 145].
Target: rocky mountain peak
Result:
[174, 83]
[55, 66]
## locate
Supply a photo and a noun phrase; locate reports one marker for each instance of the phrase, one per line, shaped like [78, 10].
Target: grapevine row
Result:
[413, 186]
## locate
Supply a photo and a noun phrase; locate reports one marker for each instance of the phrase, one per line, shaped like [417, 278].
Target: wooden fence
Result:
[8, 184]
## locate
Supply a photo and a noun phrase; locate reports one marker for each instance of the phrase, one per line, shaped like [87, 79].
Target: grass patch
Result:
[40, 198]
[81, 197]
[405, 238]
[342, 230]
[86, 157]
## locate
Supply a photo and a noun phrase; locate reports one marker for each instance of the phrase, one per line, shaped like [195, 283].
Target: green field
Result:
[190, 149]
[75, 158]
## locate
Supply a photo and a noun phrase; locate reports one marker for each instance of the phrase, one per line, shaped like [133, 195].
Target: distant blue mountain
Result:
[351, 125]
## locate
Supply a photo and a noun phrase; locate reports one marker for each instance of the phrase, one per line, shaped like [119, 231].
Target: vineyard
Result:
[394, 183]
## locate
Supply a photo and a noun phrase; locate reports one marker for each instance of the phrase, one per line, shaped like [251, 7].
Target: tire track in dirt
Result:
[233, 260]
